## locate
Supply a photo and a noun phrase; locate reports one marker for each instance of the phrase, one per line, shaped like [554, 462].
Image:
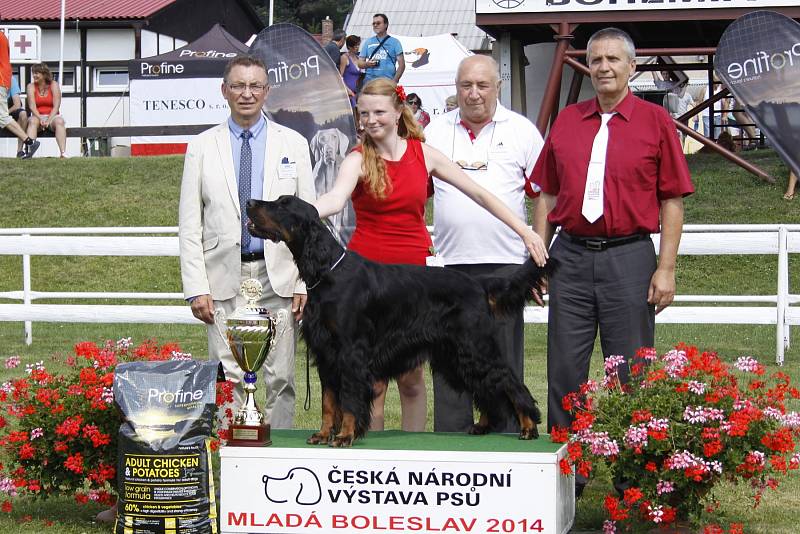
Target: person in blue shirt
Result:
[17, 111]
[387, 60]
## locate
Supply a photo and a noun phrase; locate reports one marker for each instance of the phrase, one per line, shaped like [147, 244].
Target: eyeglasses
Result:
[255, 89]
[413, 102]
[474, 166]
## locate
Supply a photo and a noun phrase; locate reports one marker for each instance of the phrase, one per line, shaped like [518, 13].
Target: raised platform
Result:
[396, 482]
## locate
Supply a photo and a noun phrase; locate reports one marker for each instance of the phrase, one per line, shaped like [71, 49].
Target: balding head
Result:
[477, 84]
[484, 63]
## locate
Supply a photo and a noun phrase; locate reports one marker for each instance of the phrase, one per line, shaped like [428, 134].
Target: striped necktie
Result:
[245, 174]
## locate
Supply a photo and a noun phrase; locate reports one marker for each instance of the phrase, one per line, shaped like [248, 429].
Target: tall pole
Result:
[61, 58]
[271, 11]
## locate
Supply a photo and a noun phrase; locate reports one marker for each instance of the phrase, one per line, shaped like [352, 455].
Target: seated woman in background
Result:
[420, 115]
[44, 102]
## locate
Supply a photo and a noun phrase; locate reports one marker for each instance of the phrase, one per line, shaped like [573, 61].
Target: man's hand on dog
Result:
[203, 308]
[298, 304]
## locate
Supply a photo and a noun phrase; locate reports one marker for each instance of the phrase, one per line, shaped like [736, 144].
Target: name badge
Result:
[434, 261]
[287, 169]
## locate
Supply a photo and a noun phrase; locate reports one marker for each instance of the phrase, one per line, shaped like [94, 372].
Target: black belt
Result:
[602, 243]
[252, 256]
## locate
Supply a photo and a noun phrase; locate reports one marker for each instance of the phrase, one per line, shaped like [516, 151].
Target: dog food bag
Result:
[164, 476]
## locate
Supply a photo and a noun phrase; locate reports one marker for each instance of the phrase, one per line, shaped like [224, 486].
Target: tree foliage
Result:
[308, 14]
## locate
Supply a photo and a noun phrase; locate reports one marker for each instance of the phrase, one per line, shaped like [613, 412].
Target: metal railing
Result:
[767, 239]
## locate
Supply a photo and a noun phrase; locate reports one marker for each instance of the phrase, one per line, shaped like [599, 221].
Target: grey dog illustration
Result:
[328, 149]
[300, 483]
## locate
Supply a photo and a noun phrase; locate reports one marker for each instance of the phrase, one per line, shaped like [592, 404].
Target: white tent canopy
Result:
[431, 65]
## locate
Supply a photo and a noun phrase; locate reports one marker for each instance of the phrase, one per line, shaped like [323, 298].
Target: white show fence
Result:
[766, 239]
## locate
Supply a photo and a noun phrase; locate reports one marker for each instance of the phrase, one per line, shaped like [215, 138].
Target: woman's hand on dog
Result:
[203, 308]
[536, 247]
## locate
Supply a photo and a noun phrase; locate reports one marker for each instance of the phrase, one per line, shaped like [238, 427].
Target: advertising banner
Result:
[181, 87]
[323, 490]
[587, 6]
[758, 59]
[308, 95]
[431, 65]
[174, 101]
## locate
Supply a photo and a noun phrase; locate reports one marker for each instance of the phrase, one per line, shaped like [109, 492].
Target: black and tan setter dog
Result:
[366, 321]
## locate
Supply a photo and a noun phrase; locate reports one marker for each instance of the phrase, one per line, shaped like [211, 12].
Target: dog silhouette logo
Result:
[300, 484]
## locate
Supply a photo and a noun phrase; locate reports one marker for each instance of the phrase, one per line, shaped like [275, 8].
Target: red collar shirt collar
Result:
[645, 165]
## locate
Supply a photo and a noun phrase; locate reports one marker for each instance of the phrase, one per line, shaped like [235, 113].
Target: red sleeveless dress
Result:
[393, 230]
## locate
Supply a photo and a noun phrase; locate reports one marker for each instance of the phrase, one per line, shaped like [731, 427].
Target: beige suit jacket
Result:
[209, 220]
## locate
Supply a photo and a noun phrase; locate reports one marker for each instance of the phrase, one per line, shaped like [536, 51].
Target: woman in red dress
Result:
[44, 101]
[387, 178]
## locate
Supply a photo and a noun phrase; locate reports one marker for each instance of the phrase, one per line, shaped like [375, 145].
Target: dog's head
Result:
[295, 222]
[284, 219]
[329, 144]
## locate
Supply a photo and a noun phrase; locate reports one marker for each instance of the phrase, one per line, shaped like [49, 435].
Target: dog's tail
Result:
[508, 290]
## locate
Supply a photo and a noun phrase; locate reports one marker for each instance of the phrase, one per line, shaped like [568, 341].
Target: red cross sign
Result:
[25, 43]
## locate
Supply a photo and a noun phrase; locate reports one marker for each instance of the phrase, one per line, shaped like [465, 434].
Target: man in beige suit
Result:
[244, 157]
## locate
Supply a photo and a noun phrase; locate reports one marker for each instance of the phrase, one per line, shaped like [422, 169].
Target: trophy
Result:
[251, 332]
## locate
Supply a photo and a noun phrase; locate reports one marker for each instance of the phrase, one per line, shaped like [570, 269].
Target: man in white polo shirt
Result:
[498, 149]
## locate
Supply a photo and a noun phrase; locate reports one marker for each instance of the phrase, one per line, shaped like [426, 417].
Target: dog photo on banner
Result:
[308, 95]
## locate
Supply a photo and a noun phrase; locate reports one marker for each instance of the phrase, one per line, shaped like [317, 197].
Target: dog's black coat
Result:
[366, 321]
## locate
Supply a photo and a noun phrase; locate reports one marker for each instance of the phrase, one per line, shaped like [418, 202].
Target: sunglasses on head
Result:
[474, 166]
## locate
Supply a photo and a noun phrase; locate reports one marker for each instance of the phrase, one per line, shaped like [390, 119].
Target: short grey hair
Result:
[612, 33]
[338, 35]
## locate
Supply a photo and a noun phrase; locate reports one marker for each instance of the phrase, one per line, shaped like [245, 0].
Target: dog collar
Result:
[329, 270]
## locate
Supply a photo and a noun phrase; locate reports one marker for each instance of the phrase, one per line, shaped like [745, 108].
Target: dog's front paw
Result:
[342, 440]
[318, 438]
[478, 429]
[529, 433]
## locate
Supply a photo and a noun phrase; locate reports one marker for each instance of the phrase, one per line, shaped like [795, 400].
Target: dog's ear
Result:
[344, 142]
[316, 147]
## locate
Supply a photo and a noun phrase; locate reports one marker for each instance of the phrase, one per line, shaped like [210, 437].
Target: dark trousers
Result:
[590, 290]
[452, 411]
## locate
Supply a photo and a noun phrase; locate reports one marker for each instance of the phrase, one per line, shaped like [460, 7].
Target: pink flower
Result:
[612, 363]
[664, 486]
[12, 362]
[748, 364]
[36, 433]
[609, 527]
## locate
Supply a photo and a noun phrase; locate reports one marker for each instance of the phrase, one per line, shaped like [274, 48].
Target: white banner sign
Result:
[552, 6]
[301, 491]
[158, 102]
[24, 43]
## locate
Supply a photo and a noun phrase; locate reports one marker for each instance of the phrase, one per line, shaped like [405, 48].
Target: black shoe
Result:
[21, 154]
[31, 149]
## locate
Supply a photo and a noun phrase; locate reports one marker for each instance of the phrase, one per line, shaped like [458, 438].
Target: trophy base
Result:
[249, 436]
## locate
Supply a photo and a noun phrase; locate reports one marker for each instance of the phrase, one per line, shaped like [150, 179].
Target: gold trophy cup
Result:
[251, 332]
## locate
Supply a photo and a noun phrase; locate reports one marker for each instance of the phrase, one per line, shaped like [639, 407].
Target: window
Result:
[110, 79]
[68, 85]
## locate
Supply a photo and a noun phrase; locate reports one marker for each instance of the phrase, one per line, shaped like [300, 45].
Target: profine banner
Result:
[587, 6]
[758, 59]
[308, 95]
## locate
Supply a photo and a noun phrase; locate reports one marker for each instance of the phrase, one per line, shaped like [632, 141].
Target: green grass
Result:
[144, 192]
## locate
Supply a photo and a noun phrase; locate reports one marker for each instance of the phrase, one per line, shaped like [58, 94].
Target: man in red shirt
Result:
[6, 121]
[611, 167]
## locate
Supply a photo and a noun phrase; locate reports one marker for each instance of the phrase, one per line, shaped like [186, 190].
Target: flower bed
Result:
[683, 422]
[58, 432]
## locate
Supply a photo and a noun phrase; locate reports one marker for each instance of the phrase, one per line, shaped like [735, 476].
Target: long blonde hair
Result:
[373, 168]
